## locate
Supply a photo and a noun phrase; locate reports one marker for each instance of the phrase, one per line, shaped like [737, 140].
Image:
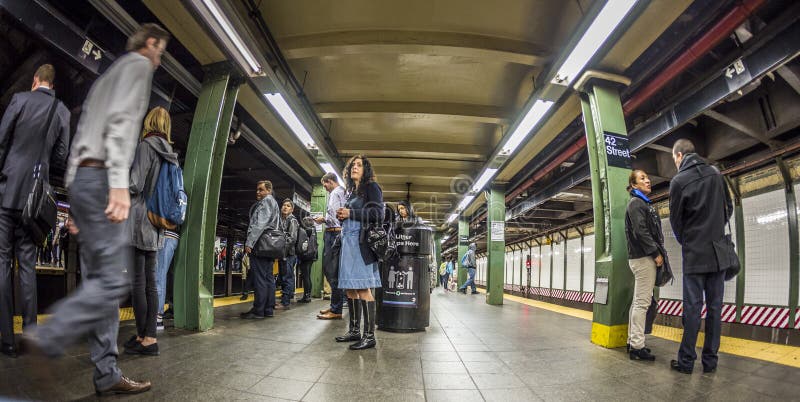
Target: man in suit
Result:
[98, 179]
[24, 141]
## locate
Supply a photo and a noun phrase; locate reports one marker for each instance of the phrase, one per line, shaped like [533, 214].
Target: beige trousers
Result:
[644, 272]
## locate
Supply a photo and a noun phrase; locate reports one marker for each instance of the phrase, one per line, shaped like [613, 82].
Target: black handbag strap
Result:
[37, 168]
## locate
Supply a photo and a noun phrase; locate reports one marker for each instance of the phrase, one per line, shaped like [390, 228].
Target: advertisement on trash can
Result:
[400, 289]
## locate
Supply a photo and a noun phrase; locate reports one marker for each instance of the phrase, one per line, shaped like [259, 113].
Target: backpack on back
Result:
[166, 207]
[306, 247]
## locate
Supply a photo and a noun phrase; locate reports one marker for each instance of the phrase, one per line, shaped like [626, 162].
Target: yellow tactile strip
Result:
[770, 352]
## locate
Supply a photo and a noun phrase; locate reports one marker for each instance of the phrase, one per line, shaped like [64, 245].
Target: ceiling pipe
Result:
[721, 30]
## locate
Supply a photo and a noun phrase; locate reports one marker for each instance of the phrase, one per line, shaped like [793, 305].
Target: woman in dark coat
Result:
[358, 265]
[645, 245]
[147, 239]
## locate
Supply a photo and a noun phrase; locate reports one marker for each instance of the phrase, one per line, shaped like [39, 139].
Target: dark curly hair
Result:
[367, 176]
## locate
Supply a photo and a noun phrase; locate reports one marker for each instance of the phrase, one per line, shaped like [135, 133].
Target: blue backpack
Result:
[166, 207]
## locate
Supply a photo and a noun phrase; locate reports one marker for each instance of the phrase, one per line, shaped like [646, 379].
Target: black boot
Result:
[354, 334]
[368, 340]
[306, 298]
[641, 354]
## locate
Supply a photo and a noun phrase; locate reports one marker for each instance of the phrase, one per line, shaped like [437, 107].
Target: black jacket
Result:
[700, 206]
[22, 139]
[642, 229]
[371, 211]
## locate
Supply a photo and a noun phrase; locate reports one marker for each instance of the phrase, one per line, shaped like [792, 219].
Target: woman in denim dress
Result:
[358, 265]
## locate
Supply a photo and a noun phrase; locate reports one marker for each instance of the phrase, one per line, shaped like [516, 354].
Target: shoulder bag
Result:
[724, 249]
[40, 212]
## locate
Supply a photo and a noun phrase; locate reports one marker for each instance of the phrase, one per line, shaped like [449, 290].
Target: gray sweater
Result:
[144, 174]
[111, 118]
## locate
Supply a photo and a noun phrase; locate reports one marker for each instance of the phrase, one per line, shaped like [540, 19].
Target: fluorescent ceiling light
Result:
[279, 103]
[465, 202]
[328, 168]
[535, 113]
[485, 177]
[601, 28]
[452, 218]
[223, 22]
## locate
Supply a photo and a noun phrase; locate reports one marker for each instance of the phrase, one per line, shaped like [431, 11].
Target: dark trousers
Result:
[247, 285]
[145, 293]
[286, 272]
[694, 286]
[14, 239]
[305, 271]
[92, 310]
[264, 284]
[337, 295]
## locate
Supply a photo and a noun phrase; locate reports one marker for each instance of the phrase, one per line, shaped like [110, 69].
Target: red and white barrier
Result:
[572, 295]
[557, 293]
[670, 307]
[588, 298]
[797, 319]
[775, 317]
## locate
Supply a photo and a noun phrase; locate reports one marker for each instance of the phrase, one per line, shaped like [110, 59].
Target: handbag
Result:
[40, 212]
[271, 244]
[725, 251]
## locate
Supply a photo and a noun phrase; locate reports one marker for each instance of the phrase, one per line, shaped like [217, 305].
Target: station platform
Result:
[522, 351]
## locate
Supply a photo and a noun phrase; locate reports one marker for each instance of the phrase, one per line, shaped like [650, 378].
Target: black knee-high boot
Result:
[354, 334]
[368, 339]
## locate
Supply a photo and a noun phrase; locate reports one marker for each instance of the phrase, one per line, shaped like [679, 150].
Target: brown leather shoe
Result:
[329, 316]
[126, 386]
[326, 311]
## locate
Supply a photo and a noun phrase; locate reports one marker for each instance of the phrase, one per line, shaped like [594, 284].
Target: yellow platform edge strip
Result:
[769, 352]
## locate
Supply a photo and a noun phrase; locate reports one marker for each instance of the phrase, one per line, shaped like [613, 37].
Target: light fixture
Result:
[485, 177]
[613, 12]
[771, 217]
[452, 218]
[532, 117]
[328, 168]
[237, 41]
[465, 202]
[279, 103]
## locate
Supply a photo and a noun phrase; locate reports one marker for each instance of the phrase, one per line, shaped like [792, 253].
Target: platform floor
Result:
[471, 352]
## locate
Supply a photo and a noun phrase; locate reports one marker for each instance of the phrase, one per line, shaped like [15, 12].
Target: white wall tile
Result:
[546, 254]
[574, 264]
[588, 263]
[766, 230]
[558, 265]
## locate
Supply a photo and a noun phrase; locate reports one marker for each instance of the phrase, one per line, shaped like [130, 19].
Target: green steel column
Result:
[205, 157]
[496, 244]
[319, 205]
[794, 238]
[738, 216]
[602, 114]
[463, 243]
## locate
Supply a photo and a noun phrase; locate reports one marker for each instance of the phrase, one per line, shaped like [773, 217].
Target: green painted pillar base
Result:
[496, 245]
[202, 174]
[319, 205]
[602, 111]
[463, 243]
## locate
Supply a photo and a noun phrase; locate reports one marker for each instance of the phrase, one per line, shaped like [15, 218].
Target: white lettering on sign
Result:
[617, 152]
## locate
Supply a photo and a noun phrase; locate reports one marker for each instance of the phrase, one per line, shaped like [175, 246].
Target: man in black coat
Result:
[700, 206]
[24, 140]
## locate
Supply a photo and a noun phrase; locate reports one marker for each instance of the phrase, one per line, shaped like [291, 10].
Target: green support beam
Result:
[605, 127]
[794, 238]
[496, 244]
[205, 157]
[319, 205]
[463, 243]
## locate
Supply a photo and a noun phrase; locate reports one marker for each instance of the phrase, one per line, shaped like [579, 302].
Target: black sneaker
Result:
[251, 316]
[641, 354]
[475, 292]
[139, 349]
[708, 370]
[169, 314]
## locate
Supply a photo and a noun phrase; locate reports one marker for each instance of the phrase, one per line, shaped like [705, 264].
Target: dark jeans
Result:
[305, 271]
[713, 285]
[337, 295]
[286, 272]
[145, 292]
[470, 280]
[264, 284]
[92, 310]
[14, 239]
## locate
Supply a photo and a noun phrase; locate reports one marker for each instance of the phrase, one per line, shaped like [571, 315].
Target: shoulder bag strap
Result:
[37, 168]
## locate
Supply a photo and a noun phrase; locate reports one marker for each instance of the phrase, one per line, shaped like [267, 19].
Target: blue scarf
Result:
[637, 193]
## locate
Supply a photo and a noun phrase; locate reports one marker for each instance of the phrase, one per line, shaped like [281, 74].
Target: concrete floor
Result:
[471, 352]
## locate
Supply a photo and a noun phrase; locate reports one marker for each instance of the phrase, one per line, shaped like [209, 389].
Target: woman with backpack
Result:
[147, 239]
[645, 253]
[358, 265]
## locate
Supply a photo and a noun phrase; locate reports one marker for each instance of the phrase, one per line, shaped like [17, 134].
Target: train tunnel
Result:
[513, 125]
